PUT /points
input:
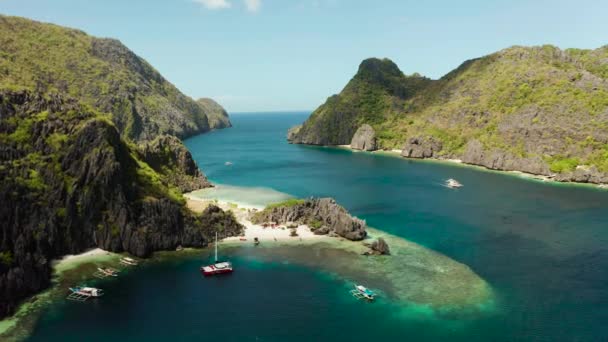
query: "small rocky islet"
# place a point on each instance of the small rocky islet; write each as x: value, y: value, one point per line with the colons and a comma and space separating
x: 405, y: 271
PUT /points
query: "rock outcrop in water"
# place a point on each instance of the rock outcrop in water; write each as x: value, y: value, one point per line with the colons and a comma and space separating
x: 364, y: 139
x: 322, y: 215
x: 216, y: 114
x: 540, y: 110
x: 380, y: 247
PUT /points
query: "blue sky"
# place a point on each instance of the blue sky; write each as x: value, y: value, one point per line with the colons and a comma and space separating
x: 271, y: 55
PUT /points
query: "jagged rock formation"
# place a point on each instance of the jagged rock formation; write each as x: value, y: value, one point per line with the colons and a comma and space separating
x: 423, y: 147
x: 88, y: 155
x: 293, y: 133
x: 170, y: 158
x: 102, y: 73
x: 540, y: 110
x: 69, y: 183
x: 216, y: 114
x: 364, y: 139
x: 377, y: 89
x: 322, y: 215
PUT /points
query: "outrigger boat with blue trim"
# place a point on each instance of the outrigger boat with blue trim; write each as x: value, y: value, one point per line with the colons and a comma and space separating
x: 361, y: 292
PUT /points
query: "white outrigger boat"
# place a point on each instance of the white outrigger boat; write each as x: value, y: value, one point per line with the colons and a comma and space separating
x: 105, y: 272
x: 81, y: 294
x: 362, y: 292
x: 453, y: 184
x: 128, y: 261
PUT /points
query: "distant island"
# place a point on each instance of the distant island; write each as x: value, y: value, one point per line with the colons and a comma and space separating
x: 538, y: 110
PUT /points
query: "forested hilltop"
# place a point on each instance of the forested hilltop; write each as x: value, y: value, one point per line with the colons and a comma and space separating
x: 90, y: 155
x: 540, y: 110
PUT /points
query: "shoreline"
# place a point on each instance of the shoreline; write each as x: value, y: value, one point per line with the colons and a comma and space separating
x: 280, y: 233
x: 406, y: 257
x: 458, y: 162
x: 64, y: 272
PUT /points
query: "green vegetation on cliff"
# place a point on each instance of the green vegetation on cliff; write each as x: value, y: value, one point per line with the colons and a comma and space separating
x: 103, y: 73
x: 89, y: 156
x: 519, y: 104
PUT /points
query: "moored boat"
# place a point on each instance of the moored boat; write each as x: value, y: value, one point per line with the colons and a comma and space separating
x: 87, y: 291
x: 128, y: 261
x: 452, y: 183
x: 361, y: 292
x: 219, y: 267
x: 109, y: 272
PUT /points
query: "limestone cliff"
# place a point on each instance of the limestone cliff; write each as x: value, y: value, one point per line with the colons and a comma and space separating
x: 540, y: 110
x: 102, y: 73
x: 70, y: 182
x: 364, y: 139
x: 89, y: 155
x: 216, y: 114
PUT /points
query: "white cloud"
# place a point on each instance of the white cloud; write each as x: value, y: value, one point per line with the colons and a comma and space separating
x: 253, y: 5
x: 214, y: 4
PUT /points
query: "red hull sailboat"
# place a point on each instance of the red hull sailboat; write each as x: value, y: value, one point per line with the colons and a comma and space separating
x: 219, y: 267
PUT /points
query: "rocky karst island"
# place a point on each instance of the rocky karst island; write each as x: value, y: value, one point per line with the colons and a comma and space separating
x: 148, y: 193
x: 539, y: 110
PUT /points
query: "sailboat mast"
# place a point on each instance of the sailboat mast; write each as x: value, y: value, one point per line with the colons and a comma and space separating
x: 215, y: 246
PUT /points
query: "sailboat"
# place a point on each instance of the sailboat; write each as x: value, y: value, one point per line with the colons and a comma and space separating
x: 219, y: 267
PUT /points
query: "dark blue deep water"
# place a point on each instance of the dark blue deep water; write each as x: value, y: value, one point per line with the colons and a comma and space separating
x: 542, y: 247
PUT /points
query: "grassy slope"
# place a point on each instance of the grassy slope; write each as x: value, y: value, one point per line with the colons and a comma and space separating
x: 100, y: 72
x: 538, y: 101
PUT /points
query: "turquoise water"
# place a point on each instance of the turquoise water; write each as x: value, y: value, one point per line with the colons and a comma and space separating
x: 542, y: 248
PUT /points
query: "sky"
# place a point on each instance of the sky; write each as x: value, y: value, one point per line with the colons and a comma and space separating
x: 280, y: 55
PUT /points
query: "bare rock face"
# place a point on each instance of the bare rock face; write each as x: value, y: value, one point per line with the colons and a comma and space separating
x: 216, y: 114
x: 421, y: 147
x: 497, y: 159
x: 292, y: 134
x: 364, y: 139
x: 323, y: 215
x: 168, y: 151
x: 583, y: 174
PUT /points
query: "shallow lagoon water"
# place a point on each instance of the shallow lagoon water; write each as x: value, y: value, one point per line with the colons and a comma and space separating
x: 541, y: 247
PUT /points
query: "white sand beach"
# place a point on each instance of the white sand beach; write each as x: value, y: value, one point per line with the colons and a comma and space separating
x: 93, y: 255
x: 264, y: 234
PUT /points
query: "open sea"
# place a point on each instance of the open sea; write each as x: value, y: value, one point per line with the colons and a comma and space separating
x: 542, y: 247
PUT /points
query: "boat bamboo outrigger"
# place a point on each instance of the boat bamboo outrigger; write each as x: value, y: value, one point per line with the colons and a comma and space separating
x: 105, y: 272
x: 81, y: 294
x: 219, y: 267
x: 361, y: 292
x: 128, y: 261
